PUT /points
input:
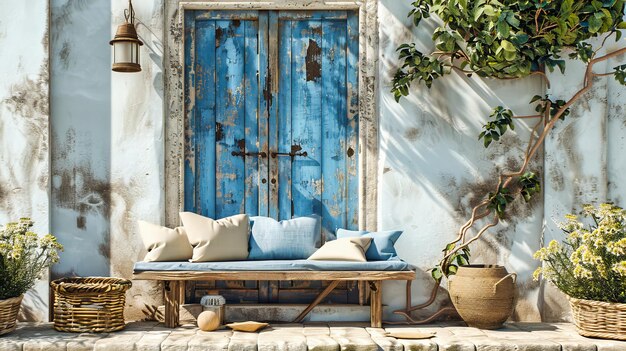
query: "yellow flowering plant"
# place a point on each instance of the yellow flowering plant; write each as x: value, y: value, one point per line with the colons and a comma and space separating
x: 590, y: 263
x: 23, y: 257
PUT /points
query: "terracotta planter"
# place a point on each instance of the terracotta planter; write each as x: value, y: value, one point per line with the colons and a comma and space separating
x: 9, y: 309
x: 483, y: 295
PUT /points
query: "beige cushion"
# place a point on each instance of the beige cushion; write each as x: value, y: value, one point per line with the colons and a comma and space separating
x: 344, y: 249
x: 247, y: 326
x: 224, y: 239
x: 164, y: 244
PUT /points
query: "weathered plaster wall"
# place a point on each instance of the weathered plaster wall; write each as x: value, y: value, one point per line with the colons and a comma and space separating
x: 585, y: 160
x: 137, y: 151
x: 24, y: 121
x: 433, y: 169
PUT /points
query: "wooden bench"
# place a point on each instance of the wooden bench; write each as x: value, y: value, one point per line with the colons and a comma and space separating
x: 174, y: 286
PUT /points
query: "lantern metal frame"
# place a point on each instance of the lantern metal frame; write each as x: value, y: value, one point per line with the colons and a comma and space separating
x: 126, y: 32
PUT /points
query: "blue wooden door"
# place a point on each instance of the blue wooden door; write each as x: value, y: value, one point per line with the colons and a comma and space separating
x: 272, y: 126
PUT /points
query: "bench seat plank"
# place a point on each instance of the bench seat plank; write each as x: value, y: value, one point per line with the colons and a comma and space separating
x: 269, y: 275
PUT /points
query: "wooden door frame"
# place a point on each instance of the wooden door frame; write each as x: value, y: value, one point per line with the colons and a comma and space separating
x: 367, y: 94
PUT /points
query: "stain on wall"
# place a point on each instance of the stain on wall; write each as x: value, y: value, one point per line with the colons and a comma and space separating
x: 24, y: 121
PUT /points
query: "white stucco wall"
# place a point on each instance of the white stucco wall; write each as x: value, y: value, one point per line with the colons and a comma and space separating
x: 107, y: 162
x: 433, y: 168
x: 24, y: 139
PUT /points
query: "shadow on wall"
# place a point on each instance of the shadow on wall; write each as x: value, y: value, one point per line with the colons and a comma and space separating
x: 81, y: 135
x: 434, y: 169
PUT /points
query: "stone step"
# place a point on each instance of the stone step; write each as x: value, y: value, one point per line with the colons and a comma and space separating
x: 311, y: 336
x: 277, y: 313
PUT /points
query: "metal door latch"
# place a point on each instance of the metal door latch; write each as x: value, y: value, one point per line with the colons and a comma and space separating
x: 261, y: 154
x: 290, y: 154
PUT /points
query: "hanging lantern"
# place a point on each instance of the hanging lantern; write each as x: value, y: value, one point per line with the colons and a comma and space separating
x: 126, y: 44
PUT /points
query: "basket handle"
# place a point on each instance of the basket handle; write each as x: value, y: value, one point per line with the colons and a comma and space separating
x: 510, y: 275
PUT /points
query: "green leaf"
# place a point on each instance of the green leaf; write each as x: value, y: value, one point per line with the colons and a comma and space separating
x: 595, y: 24
x: 507, y: 46
x: 489, y: 10
x: 436, y: 273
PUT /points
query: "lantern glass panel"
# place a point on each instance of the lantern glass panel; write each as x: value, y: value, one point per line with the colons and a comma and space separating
x: 123, y: 52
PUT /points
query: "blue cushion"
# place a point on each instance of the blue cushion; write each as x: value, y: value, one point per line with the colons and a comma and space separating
x: 292, y: 239
x: 381, y: 248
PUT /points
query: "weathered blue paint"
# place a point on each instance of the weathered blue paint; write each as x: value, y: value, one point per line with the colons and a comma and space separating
x: 352, y: 133
x: 229, y: 115
x: 190, y: 119
x: 251, y: 110
x: 283, y: 137
x: 204, y: 131
x: 264, y: 108
x: 334, y: 120
x: 278, y: 83
x: 306, y: 116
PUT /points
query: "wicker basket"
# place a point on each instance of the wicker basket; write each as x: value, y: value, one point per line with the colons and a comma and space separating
x: 89, y: 304
x: 599, y: 319
x: 9, y: 309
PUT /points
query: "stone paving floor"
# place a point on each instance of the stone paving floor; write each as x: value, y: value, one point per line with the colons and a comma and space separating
x: 145, y: 336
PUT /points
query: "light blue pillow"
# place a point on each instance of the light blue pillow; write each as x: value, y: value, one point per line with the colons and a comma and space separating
x: 381, y: 248
x: 292, y: 239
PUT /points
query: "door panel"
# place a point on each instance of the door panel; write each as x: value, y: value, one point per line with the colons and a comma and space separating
x: 317, y: 115
x: 223, y: 115
x: 271, y: 128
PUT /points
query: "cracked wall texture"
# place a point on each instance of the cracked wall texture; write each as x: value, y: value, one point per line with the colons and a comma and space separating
x: 24, y: 121
x: 108, y: 153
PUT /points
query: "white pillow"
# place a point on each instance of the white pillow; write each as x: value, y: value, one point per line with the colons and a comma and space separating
x: 224, y: 239
x: 345, y: 249
x: 164, y: 244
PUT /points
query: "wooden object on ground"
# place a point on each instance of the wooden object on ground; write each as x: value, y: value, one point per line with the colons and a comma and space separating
x: 599, y: 319
x: 208, y: 321
x: 409, y: 334
x: 483, y: 295
x: 249, y: 326
x: 173, y: 282
x: 9, y: 309
x: 92, y: 304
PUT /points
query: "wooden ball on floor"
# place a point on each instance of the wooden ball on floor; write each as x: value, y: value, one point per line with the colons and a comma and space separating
x: 208, y: 321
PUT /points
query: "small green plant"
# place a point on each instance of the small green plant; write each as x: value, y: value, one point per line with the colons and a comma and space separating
x: 590, y: 263
x: 23, y: 257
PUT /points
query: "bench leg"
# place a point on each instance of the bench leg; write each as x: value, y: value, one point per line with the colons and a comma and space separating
x: 174, y: 296
x: 376, y: 304
x: 333, y: 284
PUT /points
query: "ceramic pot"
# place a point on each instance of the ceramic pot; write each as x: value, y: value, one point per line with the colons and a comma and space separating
x: 9, y: 309
x: 483, y: 295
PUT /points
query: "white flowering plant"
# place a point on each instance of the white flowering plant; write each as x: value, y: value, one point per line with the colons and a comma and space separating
x: 23, y: 257
x: 590, y: 263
